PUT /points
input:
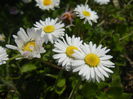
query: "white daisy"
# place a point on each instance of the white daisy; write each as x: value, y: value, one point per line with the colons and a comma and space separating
x: 47, y: 4
x: 3, y: 56
x: 29, y: 44
x: 84, y: 12
x: 102, y: 1
x: 92, y: 63
x: 51, y: 29
x: 64, y: 49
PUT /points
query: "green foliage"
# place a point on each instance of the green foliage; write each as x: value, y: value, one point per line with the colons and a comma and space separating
x: 43, y: 79
x: 28, y: 68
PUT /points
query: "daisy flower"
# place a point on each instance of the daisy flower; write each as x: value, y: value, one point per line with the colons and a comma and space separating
x: 84, y: 12
x: 29, y: 43
x: 92, y: 63
x: 51, y: 29
x: 102, y: 1
x: 3, y: 56
x: 47, y: 4
x: 64, y: 49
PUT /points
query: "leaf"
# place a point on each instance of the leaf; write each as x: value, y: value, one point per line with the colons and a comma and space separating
x: 61, y: 83
x: 28, y: 67
x: 60, y: 90
x: 60, y: 86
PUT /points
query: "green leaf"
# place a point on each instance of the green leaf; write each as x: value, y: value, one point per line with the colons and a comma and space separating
x: 28, y: 68
x: 61, y: 82
x: 60, y: 90
x: 60, y: 86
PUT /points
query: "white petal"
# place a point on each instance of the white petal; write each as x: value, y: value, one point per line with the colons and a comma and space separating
x: 106, y: 69
x: 103, y: 72
x: 106, y: 57
x: 92, y: 73
x: 99, y: 74
x: 12, y: 47
x: 78, y: 62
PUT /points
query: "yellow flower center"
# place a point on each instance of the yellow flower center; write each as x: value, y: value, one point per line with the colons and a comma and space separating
x: 47, y: 2
x: 92, y: 60
x: 70, y: 50
x: 86, y: 13
x: 49, y: 29
x: 29, y: 46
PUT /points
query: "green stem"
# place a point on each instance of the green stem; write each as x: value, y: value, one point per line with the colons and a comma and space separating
x: 126, y: 36
x: 74, y: 90
x: 7, y: 65
x: 52, y: 65
x: 7, y: 70
x: 12, y: 58
x: 52, y: 76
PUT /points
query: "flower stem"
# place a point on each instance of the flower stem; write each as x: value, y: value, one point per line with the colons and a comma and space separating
x: 74, y: 90
x: 52, y: 65
x: 12, y: 58
x: 7, y: 65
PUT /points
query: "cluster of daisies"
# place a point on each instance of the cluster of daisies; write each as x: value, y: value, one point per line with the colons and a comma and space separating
x: 90, y: 61
x: 52, y: 4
